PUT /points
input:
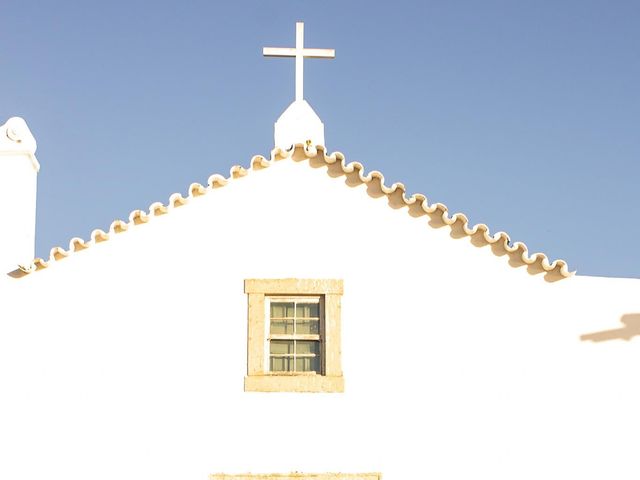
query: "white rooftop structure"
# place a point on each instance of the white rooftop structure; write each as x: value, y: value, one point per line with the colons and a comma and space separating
x: 18, y: 184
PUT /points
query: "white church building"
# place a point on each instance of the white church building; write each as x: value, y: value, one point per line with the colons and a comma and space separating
x: 301, y: 319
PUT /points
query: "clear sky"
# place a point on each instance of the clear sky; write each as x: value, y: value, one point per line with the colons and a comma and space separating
x: 523, y: 115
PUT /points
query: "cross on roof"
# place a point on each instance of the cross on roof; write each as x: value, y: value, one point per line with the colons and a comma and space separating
x: 300, y: 53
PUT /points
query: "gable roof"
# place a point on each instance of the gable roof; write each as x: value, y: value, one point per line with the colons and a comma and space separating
x: 396, y: 193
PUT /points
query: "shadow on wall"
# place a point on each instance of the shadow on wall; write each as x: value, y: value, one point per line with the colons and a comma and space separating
x: 631, y: 322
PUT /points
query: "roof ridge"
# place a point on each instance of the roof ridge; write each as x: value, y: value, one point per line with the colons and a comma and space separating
x: 458, y: 222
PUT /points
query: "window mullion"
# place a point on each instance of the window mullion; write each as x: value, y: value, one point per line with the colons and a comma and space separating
x: 295, y: 308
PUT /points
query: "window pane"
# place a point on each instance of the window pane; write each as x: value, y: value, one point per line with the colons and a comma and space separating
x: 306, y: 310
x: 306, y: 347
x: 308, y: 364
x: 281, y: 347
x: 281, y: 364
x: 281, y: 309
x: 307, y: 326
x: 282, y: 327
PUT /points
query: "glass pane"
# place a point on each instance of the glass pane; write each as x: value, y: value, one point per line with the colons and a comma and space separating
x: 306, y: 310
x: 308, y: 364
x: 281, y: 364
x: 281, y: 327
x: 306, y: 347
x: 281, y: 309
x: 306, y: 326
x: 281, y: 347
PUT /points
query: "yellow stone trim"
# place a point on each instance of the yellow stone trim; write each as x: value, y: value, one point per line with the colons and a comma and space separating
x: 255, y: 341
x: 297, y: 476
x: 332, y: 329
x: 258, y: 379
x: 293, y: 286
x: 293, y: 383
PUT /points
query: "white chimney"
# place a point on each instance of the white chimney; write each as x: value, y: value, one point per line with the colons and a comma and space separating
x: 18, y: 182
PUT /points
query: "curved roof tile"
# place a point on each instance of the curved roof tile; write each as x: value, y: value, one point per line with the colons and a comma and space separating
x: 418, y: 204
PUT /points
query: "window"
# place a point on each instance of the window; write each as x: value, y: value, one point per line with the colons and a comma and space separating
x: 294, y: 335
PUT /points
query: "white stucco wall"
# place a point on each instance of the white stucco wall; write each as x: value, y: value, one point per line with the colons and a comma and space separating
x: 127, y: 360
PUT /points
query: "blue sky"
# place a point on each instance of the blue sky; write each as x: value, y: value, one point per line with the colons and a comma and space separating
x: 523, y: 115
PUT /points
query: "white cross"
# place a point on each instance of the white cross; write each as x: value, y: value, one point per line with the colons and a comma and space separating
x: 300, y: 53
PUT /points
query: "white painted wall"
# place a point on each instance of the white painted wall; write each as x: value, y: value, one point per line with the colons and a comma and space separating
x: 127, y: 360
